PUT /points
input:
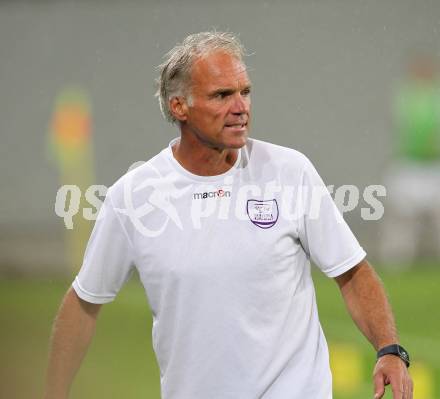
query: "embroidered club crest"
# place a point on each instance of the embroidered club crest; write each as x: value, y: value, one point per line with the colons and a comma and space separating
x: 263, y: 214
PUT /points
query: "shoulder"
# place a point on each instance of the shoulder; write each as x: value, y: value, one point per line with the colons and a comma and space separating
x: 148, y: 173
x: 277, y: 155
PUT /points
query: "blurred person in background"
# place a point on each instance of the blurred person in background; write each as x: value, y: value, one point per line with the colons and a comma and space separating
x: 413, y: 178
x: 232, y: 299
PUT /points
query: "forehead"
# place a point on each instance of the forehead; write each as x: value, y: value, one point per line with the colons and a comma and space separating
x: 218, y: 69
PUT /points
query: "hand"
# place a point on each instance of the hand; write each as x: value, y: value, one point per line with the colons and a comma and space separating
x: 390, y: 369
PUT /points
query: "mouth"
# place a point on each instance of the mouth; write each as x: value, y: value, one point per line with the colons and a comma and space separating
x: 237, y: 126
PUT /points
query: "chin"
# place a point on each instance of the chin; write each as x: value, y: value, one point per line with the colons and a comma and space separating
x: 238, y: 141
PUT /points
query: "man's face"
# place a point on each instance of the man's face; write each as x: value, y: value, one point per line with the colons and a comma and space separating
x: 219, y: 113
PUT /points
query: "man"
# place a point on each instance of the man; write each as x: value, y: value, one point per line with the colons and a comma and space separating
x: 224, y: 261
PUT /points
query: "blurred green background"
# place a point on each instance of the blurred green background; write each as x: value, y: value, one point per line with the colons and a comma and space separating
x: 121, y: 362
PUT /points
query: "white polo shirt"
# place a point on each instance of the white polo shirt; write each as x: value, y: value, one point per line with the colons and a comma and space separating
x: 225, y: 262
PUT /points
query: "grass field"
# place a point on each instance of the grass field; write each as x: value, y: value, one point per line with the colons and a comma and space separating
x: 121, y: 364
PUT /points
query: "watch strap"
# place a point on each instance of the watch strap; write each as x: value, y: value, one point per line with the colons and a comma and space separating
x: 395, y: 350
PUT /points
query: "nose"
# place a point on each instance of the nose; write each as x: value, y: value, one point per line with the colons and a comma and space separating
x: 241, y: 104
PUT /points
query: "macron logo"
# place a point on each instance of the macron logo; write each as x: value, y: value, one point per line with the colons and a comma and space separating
x: 212, y: 194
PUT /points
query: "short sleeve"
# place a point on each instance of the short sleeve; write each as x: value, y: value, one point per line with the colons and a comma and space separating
x: 323, y: 233
x: 108, y: 260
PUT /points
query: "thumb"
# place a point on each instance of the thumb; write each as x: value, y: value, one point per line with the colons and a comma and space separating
x: 379, y: 386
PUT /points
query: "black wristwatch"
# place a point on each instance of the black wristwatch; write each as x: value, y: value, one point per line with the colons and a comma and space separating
x: 395, y: 350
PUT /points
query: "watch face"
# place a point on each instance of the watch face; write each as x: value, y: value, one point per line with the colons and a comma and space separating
x: 403, y: 354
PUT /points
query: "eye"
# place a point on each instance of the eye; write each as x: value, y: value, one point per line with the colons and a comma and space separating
x: 246, y: 92
x: 222, y: 94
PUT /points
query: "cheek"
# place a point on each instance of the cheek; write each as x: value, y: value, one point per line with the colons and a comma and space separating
x: 217, y: 115
x: 210, y: 111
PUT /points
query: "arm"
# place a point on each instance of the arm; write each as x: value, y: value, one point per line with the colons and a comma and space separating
x: 368, y: 305
x: 72, y: 333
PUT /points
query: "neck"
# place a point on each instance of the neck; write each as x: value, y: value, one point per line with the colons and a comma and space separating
x: 202, y: 159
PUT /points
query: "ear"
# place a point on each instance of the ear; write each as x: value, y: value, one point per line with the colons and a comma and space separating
x: 179, y: 108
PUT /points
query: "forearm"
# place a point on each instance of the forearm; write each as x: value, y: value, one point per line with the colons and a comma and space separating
x: 368, y: 305
x: 72, y: 333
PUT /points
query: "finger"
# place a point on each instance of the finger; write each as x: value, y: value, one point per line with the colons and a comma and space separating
x: 409, y: 387
x: 397, y: 388
x: 405, y: 385
x: 379, y: 386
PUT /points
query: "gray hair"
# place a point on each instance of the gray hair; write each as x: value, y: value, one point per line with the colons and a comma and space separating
x: 174, y: 78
